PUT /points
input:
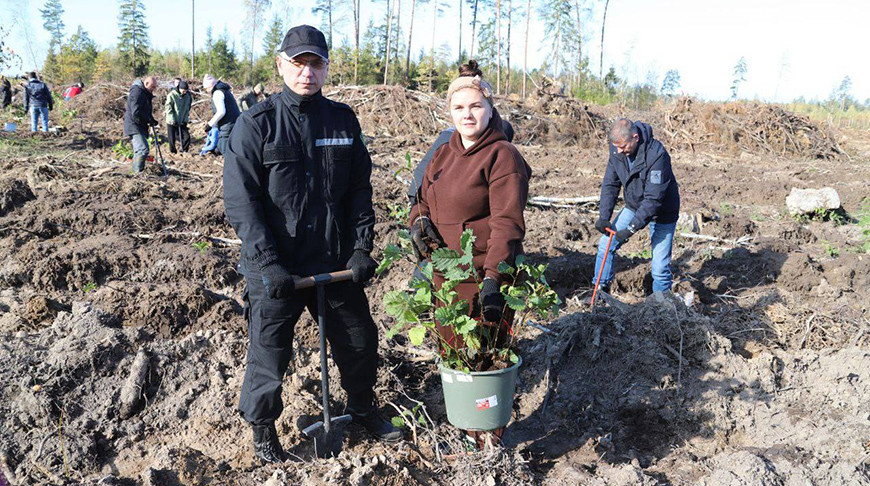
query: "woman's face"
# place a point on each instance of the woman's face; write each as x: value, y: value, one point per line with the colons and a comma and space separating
x: 470, y: 112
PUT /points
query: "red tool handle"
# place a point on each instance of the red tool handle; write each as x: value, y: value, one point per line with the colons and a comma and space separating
x: 601, y: 270
x: 323, y: 278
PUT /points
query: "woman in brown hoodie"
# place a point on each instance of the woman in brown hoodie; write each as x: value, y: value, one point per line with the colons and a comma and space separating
x: 477, y: 180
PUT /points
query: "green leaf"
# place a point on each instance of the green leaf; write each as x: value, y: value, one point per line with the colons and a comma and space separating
x: 427, y: 270
x: 445, y: 314
x: 466, y: 243
x: 464, y: 324
x: 520, y: 260
x: 421, y: 419
x: 397, y: 421
x: 505, y: 268
x: 515, y: 303
x: 472, y: 341
x: 390, y: 255
x: 513, y: 357
x: 397, y: 302
x: 445, y: 259
x: 416, y: 335
x: 394, y: 330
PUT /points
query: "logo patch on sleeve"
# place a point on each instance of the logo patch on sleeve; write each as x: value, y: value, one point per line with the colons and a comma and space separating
x: 655, y: 176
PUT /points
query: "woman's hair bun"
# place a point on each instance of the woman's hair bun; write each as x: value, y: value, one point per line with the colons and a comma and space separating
x: 470, y: 68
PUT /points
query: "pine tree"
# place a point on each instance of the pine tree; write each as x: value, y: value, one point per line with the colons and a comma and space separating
x: 325, y: 9
x: 739, y: 77
x: 273, y: 38
x: 133, y: 41
x: 52, y: 16
x: 671, y: 84
x: 77, y: 58
x: 561, y: 28
x: 254, y: 11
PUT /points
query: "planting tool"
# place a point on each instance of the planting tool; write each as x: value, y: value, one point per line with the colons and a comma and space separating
x: 604, y: 261
x: 159, y: 153
x: 328, y: 434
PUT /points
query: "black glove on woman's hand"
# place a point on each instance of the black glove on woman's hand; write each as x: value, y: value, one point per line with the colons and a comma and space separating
x: 278, y: 281
x: 424, y: 237
x: 491, y: 300
x: 602, y: 225
x: 363, y: 266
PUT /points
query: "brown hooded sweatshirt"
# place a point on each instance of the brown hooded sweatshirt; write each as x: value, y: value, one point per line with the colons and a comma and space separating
x: 485, y: 188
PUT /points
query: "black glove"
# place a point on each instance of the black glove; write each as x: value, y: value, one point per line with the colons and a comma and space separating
x: 363, y: 266
x: 206, y: 127
x: 491, y: 300
x: 623, y: 235
x: 424, y: 237
x: 153, y: 123
x: 278, y: 281
x: 602, y: 225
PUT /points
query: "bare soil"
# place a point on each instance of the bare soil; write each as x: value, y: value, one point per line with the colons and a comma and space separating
x: 762, y: 379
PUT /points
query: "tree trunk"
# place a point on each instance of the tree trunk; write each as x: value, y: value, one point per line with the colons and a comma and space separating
x: 356, y: 42
x: 410, y: 34
x: 473, y: 28
x: 432, y: 52
x: 459, y: 58
x: 498, y: 47
x: 579, y: 45
x: 329, y: 6
x: 192, y: 42
x: 526, y: 46
x: 389, y: 38
x: 601, y: 60
x: 507, y: 86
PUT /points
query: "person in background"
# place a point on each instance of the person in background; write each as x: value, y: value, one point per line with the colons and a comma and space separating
x: 5, y: 92
x: 38, y: 100
x: 73, y: 91
x: 640, y: 166
x: 253, y: 96
x: 139, y: 117
x: 224, y: 108
x: 177, y: 113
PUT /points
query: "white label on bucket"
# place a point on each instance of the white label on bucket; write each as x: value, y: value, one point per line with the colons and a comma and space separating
x: 447, y: 377
x: 487, y: 403
x: 464, y: 378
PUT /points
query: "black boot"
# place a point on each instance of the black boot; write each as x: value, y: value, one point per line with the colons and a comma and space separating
x: 266, y: 444
x: 374, y: 423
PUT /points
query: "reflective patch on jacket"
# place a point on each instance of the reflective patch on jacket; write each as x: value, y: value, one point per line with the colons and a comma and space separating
x: 655, y: 176
x: 328, y: 142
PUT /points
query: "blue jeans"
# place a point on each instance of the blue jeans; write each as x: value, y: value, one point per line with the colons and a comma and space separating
x: 662, y: 240
x: 140, y: 151
x: 35, y: 113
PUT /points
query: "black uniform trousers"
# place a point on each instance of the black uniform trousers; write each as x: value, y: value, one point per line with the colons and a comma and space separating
x: 350, y: 331
x: 178, y: 133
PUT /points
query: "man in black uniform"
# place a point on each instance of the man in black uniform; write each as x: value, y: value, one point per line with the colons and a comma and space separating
x: 297, y: 191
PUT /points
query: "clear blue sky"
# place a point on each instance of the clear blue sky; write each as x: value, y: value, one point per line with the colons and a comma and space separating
x: 793, y: 48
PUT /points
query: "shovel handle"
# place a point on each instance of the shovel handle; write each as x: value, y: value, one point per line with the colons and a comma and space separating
x: 600, y: 270
x: 322, y: 279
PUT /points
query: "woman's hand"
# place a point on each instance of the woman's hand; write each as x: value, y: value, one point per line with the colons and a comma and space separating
x: 424, y: 237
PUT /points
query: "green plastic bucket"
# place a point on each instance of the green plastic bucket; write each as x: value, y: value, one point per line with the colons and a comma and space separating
x: 480, y: 400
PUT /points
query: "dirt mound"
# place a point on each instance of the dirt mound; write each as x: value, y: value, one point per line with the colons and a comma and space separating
x: 13, y: 193
x: 752, y: 127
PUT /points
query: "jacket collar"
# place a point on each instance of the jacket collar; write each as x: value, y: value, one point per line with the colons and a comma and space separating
x: 298, y: 102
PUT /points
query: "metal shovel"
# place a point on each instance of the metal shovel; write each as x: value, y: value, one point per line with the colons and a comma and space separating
x: 328, y: 434
x: 159, y: 153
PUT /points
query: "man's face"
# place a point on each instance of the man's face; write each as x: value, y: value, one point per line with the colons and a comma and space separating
x: 305, y: 74
x: 627, y: 147
x: 150, y: 83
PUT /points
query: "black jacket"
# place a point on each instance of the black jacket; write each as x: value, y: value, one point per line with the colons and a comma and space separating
x: 5, y: 92
x: 37, y: 95
x: 232, y: 108
x: 140, y: 109
x: 649, y: 187
x: 297, y: 184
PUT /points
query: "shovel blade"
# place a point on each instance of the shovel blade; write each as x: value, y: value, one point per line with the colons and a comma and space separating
x: 327, y: 443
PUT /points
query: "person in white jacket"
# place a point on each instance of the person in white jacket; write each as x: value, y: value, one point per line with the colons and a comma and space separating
x: 224, y: 108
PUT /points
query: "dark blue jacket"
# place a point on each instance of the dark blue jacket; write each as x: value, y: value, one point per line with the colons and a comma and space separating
x: 649, y: 188
x: 232, y: 108
x: 140, y: 109
x: 37, y: 95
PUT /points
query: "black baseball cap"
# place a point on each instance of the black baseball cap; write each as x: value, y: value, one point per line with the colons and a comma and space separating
x: 302, y: 39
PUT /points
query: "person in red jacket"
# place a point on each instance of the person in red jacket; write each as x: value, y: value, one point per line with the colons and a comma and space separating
x: 477, y: 180
x: 73, y: 91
